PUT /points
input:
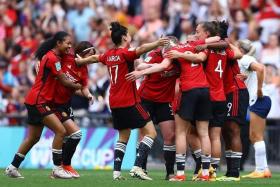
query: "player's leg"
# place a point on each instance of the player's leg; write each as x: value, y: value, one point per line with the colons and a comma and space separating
x: 54, y: 124
x: 203, y: 113
x: 165, y: 118
x: 120, y: 149
x: 70, y: 143
x: 183, y: 118
x: 169, y: 149
x: 72, y: 138
x: 216, y: 124
x: 202, y: 131
x: 33, y: 136
x: 150, y: 107
x: 195, y: 145
x: 258, y: 114
x: 228, y: 151
x: 182, y: 128
x: 145, y: 146
x: 236, y: 147
x: 215, y: 139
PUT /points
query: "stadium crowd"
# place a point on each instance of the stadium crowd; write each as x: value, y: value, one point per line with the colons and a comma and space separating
x: 24, y: 24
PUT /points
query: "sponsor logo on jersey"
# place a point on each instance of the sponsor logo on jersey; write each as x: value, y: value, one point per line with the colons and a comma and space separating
x: 70, y: 77
x: 57, y: 66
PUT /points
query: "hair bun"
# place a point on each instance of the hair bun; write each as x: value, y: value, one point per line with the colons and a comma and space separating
x: 114, y: 26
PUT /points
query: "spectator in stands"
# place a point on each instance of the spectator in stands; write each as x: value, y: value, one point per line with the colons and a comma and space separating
x: 271, y: 54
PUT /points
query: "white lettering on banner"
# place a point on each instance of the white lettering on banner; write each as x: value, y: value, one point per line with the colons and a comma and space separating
x: 93, y: 157
x: 41, y: 156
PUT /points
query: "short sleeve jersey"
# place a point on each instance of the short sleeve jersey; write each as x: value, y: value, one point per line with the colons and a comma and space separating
x: 120, y: 61
x: 74, y: 73
x: 192, y: 75
x: 45, y: 83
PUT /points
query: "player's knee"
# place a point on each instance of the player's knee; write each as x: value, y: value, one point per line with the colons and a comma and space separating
x: 254, y: 137
x: 152, y: 133
x: 169, y: 139
x: 61, y: 132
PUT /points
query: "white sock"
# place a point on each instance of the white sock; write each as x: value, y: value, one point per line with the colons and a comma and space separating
x: 260, y: 156
x: 116, y: 173
x: 180, y: 172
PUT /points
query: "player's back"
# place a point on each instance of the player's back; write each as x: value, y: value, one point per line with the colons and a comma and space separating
x: 192, y: 75
x: 215, y: 69
x: 120, y: 61
x: 159, y: 87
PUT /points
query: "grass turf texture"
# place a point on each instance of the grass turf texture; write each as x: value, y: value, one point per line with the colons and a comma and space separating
x: 39, y: 178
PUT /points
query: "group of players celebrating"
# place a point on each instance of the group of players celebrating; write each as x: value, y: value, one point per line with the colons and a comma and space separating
x: 194, y: 91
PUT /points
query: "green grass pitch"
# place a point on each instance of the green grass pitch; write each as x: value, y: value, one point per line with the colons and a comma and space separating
x: 39, y: 178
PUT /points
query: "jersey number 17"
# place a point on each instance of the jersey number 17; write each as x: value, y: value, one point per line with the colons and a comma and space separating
x: 113, y: 70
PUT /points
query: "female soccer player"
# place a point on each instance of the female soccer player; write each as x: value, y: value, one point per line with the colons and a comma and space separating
x: 76, y: 74
x: 39, y: 104
x: 157, y: 93
x: 260, y: 105
x: 127, y: 111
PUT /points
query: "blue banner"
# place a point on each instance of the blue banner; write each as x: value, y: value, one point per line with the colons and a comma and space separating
x: 95, y: 150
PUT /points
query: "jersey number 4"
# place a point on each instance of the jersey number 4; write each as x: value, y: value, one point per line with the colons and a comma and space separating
x: 113, y: 70
x: 219, y: 68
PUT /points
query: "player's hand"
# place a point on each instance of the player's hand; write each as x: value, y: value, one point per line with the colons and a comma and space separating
x: 259, y: 93
x: 163, y: 41
x: 90, y: 98
x: 201, y: 47
x: 133, y: 76
x: 241, y: 76
x: 78, y: 86
x: 172, y: 54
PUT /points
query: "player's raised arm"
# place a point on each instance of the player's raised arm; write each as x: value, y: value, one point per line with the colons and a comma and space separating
x: 154, y: 68
x: 150, y: 46
x: 237, y: 53
x: 215, y: 46
x: 88, y: 60
x: 187, y: 55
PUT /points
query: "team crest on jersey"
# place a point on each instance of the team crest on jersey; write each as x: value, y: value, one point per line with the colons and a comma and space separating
x: 64, y: 114
x: 57, y: 66
x: 48, y: 108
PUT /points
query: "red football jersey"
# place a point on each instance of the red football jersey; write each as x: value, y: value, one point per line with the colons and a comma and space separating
x: 214, y: 70
x: 159, y: 87
x: 120, y: 61
x: 192, y: 75
x: 231, y: 83
x: 74, y: 73
x: 45, y: 83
